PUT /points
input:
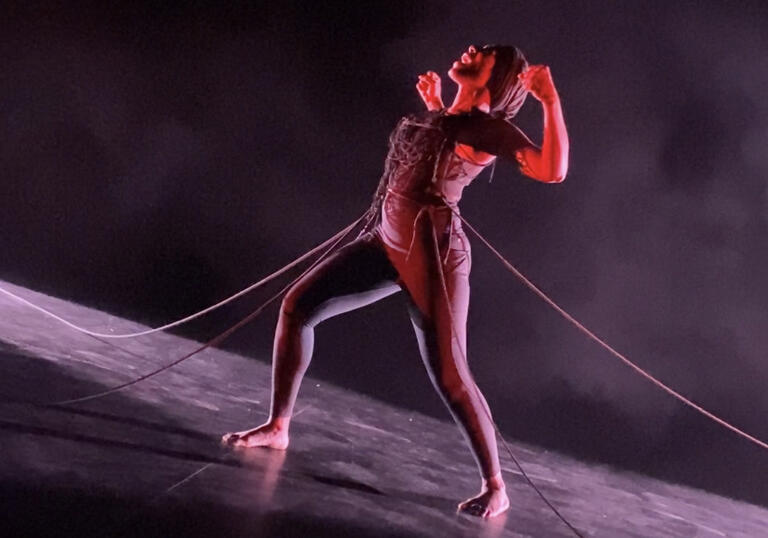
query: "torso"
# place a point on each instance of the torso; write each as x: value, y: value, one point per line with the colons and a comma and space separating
x: 422, y: 160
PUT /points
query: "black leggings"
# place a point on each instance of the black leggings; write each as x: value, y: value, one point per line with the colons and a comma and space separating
x: 368, y: 269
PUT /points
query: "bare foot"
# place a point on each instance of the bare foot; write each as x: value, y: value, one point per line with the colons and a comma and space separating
x: 267, y: 435
x: 490, y: 503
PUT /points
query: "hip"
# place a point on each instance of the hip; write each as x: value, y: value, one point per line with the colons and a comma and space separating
x: 407, y: 225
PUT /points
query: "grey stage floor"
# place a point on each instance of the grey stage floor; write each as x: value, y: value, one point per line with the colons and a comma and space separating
x: 147, y: 461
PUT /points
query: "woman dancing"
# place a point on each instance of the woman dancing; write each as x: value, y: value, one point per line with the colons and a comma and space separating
x: 414, y: 242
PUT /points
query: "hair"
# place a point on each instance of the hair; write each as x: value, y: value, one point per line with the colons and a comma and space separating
x: 507, y: 92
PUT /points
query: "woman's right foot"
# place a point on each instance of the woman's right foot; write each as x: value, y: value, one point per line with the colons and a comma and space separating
x: 266, y: 435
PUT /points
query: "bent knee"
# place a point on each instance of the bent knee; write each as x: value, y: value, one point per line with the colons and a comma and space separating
x: 303, y: 308
x: 293, y: 308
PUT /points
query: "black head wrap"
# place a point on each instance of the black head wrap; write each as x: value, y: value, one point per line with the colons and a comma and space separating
x: 507, y: 92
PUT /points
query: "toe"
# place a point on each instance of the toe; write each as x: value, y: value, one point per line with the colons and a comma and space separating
x: 230, y: 438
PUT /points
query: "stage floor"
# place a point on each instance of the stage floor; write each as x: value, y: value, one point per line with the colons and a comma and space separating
x: 147, y: 461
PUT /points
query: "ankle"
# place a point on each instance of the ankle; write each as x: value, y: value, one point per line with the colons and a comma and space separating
x: 494, y: 483
x: 279, y: 423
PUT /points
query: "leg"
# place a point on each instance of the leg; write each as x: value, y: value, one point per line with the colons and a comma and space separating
x: 357, y: 275
x: 438, y: 305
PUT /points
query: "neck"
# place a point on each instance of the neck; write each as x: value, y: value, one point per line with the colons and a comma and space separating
x: 468, y: 98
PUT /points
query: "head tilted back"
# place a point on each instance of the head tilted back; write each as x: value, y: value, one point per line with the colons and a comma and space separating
x: 507, y: 92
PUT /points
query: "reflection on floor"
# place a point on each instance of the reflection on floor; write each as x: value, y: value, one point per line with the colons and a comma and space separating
x: 146, y: 461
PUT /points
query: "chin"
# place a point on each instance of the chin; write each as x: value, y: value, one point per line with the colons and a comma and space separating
x: 462, y: 77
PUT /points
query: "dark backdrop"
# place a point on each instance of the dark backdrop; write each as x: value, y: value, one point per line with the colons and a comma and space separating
x: 155, y: 159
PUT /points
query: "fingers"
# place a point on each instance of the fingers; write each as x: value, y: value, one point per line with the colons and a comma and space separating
x: 535, y: 76
x: 428, y: 82
x: 533, y: 71
x: 430, y: 77
x: 423, y: 86
x: 537, y: 79
x: 429, y: 89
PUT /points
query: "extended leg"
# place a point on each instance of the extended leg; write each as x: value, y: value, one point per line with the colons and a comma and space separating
x: 444, y: 359
x: 357, y: 275
x: 438, y: 305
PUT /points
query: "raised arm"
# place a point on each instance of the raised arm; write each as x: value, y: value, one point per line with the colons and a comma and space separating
x: 550, y: 162
x: 429, y: 89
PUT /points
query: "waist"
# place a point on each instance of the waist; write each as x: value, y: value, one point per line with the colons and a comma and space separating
x: 403, y: 210
x: 422, y: 199
x: 408, y: 215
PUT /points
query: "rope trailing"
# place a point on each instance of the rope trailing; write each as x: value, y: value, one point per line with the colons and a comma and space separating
x: 625, y: 360
x: 223, y: 336
x: 196, y: 315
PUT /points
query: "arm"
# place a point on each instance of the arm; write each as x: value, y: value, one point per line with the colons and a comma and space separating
x: 430, y: 91
x: 550, y: 162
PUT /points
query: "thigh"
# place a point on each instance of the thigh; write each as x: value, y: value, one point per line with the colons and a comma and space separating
x: 440, y: 323
x: 356, y: 275
x: 437, y: 285
x: 436, y: 280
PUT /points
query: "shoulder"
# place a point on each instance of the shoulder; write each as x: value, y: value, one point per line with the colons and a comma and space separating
x: 491, y: 134
x: 417, y: 119
x: 422, y: 115
x: 472, y: 122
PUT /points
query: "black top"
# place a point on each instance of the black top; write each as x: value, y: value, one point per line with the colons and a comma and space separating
x: 484, y: 132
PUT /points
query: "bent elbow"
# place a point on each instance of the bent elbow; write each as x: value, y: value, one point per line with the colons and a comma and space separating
x: 560, y: 176
x: 555, y: 179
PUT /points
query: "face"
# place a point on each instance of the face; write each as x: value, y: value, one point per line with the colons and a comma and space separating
x: 473, y: 68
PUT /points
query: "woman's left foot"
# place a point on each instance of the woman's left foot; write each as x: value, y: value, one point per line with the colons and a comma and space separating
x: 490, y: 503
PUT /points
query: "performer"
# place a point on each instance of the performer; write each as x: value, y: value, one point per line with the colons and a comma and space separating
x: 414, y: 242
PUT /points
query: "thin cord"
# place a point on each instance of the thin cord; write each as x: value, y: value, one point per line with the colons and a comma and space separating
x: 625, y: 360
x: 477, y: 390
x: 186, y: 479
x: 221, y: 337
x: 190, y: 317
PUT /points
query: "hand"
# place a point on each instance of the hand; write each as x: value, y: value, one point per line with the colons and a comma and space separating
x: 537, y: 80
x: 429, y: 90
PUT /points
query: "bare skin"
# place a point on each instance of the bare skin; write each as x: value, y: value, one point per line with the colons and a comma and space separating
x: 271, y: 434
x: 548, y: 164
x: 490, y: 502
